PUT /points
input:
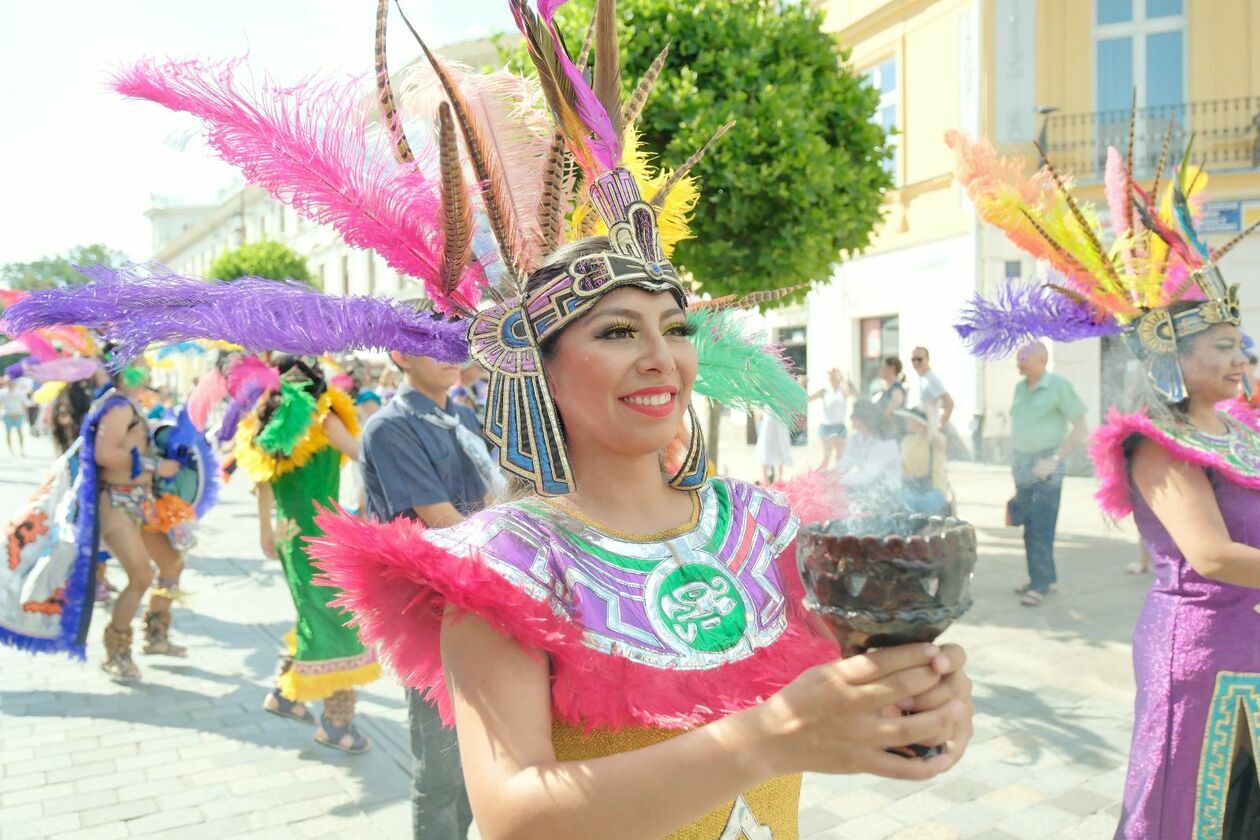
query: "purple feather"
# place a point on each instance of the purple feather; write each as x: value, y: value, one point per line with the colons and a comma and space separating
x: 237, y: 409
x: 64, y: 370
x: 136, y: 306
x: 1021, y: 313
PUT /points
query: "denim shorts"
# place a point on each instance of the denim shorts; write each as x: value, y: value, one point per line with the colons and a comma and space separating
x: 14, y: 421
x: 832, y: 430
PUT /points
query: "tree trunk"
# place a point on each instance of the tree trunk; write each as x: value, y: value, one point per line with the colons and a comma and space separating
x: 712, y: 434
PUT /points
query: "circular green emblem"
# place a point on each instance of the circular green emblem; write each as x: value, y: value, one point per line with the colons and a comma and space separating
x: 702, y: 606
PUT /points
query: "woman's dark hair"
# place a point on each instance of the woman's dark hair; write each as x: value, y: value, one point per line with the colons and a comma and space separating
x: 873, y: 417
x: 556, y: 265
x: 894, y: 363
x: 73, y: 403
x: 293, y: 368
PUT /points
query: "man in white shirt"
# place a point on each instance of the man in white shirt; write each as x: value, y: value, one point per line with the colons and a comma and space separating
x: 933, y: 398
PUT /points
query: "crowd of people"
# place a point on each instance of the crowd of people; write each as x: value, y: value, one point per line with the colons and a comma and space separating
x: 887, y: 446
x: 601, y: 634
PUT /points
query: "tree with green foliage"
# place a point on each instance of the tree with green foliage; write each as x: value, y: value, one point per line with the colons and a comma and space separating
x: 261, y: 259
x: 50, y: 272
x: 799, y: 181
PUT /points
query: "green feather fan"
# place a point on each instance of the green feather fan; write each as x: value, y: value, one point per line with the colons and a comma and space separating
x: 291, y: 420
x: 737, y: 367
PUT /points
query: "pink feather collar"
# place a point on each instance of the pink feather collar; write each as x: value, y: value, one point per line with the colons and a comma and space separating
x: 1111, y: 461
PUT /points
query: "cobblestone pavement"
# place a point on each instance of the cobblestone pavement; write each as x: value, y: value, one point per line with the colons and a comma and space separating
x: 189, y: 753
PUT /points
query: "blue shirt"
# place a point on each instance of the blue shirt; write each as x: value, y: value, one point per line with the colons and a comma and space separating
x: 408, y: 461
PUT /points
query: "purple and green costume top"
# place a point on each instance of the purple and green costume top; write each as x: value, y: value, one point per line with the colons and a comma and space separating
x: 1196, y: 649
x: 645, y: 637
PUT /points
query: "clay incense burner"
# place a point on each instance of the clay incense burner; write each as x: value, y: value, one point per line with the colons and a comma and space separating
x: 886, y: 580
x: 881, y: 581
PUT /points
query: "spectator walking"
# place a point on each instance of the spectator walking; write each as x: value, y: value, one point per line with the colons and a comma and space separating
x: 774, y: 449
x: 833, y: 431
x: 931, y: 395
x: 892, y: 396
x: 13, y: 401
x: 420, y: 461
x: 1047, y: 423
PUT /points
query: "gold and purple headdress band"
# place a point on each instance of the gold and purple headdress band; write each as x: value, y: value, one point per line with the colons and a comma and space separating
x: 506, y: 339
x: 1153, y: 337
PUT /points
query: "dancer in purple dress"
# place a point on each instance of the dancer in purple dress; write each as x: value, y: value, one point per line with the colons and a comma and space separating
x: 1188, y: 472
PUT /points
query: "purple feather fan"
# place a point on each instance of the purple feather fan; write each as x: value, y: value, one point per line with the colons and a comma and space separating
x: 136, y: 306
x: 1020, y: 313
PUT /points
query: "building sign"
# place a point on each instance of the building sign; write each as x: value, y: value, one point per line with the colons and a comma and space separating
x: 1220, y: 217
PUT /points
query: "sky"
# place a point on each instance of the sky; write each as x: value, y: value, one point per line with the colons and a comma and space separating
x: 79, y: 164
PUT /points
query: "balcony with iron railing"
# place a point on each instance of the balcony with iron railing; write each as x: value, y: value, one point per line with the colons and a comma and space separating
x: 1226, y: 136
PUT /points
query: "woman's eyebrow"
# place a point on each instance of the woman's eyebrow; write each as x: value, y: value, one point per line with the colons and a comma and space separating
x: 637, y: 315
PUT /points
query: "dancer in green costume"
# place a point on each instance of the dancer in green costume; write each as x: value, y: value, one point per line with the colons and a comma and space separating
x: 292, y: 445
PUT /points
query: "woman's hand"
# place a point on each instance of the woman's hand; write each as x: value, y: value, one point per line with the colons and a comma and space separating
x: 166, y: 468
x: 955, y: 685
x: 841, y: 716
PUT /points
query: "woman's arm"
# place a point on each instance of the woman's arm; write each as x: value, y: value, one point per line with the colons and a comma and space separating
x: 340, y: 437
x: 895, y: 402
x: 1181, y: 496
x: 831, y: 719
x: 266, y: 531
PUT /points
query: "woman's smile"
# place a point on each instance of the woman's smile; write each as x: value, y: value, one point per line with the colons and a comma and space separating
x: 657, y: 401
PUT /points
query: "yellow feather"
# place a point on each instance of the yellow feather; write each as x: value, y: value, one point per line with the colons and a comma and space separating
x: 264, y: 467
x: 672, y: 219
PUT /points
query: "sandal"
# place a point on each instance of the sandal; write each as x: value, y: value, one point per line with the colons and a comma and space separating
x: 118, y: 662
x: 287, y: 708
x: 157, y: 640
x: 1032, y: 599
x: 1023, y: 590
x: 334, y: 737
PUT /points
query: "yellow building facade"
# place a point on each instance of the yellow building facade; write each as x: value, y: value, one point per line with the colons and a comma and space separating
x: 1015, y: 71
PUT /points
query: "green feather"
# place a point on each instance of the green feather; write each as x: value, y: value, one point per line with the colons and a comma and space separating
x: 737, y: 367
x: 135, y: 377
x: 291, y: 420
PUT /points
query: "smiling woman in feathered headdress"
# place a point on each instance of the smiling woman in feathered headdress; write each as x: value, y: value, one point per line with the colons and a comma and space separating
x: 622, y: 648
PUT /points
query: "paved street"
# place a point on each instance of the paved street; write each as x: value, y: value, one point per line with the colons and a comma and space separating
x: 189, y: 754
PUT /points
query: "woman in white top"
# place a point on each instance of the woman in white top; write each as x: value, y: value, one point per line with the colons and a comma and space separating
x: 871, y: 465
x: 774, y: 449
x: 13, y: 401
x: 835, y: 403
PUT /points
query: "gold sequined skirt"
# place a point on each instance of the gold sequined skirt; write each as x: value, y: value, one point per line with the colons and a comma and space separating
x: 773, y: 804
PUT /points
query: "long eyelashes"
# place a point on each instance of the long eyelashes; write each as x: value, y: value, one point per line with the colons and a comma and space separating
x: 625, y: 329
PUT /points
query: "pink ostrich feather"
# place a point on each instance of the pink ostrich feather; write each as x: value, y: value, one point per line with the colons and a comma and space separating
x: 814, y: 496
x: 251, y: 371
x: 1111, y: 463
x: 1116, y: 187
x: 210, y: 390
x: 512, y: 117
x: 309, y: 146
x: 39, y: 346
x: 398, y: 585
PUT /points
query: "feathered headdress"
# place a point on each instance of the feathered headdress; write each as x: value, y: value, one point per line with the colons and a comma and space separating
x: 468, y: 182
x: 1156, y: 259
